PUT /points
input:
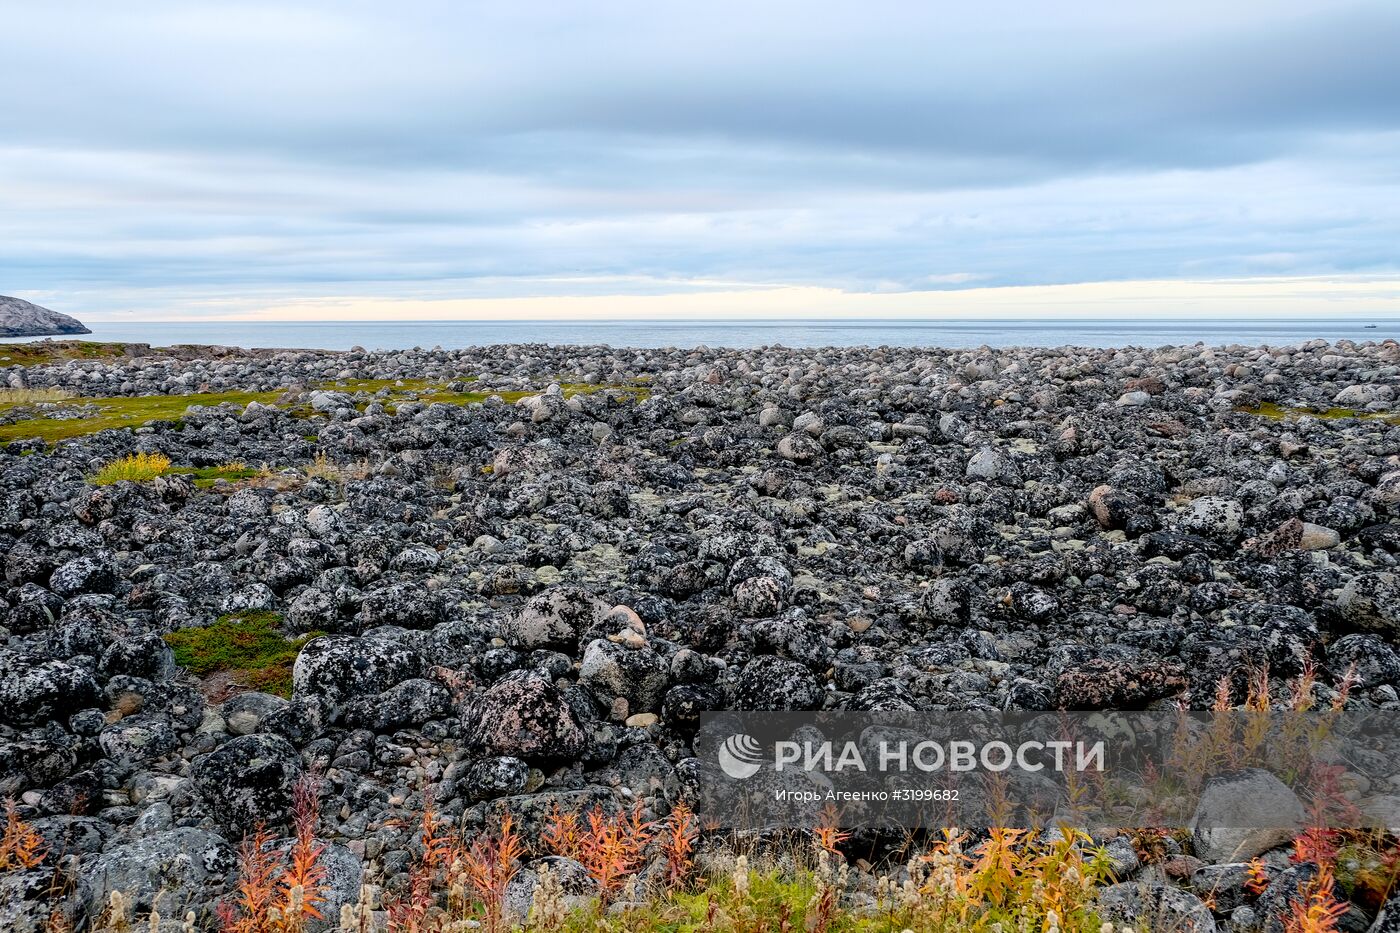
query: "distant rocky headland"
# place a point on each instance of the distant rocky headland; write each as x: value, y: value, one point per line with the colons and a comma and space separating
x: 20, y: 318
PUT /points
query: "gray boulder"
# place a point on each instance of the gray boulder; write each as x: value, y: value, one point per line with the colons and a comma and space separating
x: 35, y: 691
x: 1214, y: 517
x: 769, y: 682
x: 135, y: 740
x: 335, y: 669
x: 411, y: 703
x: 1372, y: 601
x: 523, y: 716
x: 639, y: 675
x: 555, y: 618
x: 1155, y: 906
x: 171, y: 872
x: 1244, y: 814
x: 248, y: 780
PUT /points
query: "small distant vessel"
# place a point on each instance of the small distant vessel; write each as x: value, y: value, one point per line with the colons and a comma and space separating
x: 1370, y: 327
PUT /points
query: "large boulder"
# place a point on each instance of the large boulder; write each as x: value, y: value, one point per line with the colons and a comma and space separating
x: 1118, y: 683
x: 335, y: 669
x: 37, y: 691
x: 1152, y: 905
x: 91, y: 573
x: 555, y: 618
x: 1244, y: 814
x: 410, y: 703
x: 769, y: 682
x: 523, y: 716
x: 638, y: 675
x: 576, y: 885
x: 1372, y: 601
x: 1215, y: 517
x: 136, y: 740
x: 170, y: 872
x: 33, y: 762
x: 248, y: 781
x: 38, y: 900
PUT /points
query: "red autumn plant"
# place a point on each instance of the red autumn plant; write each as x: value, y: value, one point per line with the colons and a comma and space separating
x: 20, y: 845
x: 678, y: 844
x: 277, y: 892
x: 409, y: 914
x: 609, y: 847
x: 561, y: 834
x: 488, y: 866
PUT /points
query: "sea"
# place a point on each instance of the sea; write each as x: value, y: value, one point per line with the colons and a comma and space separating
x: 389, y: 335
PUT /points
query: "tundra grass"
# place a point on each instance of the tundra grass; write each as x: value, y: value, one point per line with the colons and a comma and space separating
x: 83, y: 416
x: 249, y: 645
x: 57, y: 351
x: 205, y: 477
x: 15, y: 397
x: 397, y: 391
x: 1275, y: 412
x: 79, y: 417
x: 135, y: 468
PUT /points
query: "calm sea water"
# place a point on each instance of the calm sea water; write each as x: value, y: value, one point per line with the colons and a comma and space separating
x: 941, y: 333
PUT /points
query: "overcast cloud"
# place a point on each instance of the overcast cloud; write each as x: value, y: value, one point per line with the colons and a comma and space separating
x: 185, y: 158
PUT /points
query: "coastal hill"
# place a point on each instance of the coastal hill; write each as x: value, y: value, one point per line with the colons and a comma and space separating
x: 20, y: 318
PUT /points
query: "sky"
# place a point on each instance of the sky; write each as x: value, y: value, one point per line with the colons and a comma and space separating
x: 418, y: 160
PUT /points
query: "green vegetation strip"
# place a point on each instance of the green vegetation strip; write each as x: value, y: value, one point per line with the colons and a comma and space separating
x: 1276, y: 412
x: 89, y: 415
x: 79, y: 417
x: 394, y: 392
x: 247, y: 645
x: 46, y: 352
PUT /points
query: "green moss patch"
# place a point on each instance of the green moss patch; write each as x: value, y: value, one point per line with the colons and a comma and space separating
x: 78, y: 417
x: 204, y: 477
x: 1276, y: 412
x: 57, y: 351
x: 82, y: 416
x: 394, y: 392
x: 248, y: 645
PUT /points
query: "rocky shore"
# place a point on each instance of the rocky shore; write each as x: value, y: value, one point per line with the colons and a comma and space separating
x: 525, y: 570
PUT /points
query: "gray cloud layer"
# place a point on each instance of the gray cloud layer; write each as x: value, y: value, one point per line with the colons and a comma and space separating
x: 155, y: 151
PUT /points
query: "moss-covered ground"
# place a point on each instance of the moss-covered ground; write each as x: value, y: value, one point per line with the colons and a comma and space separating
x: 1276, y: 412
x: 78, y: 417
x: 248, y: 645
x: 57, y: 351
x: 83, y: 416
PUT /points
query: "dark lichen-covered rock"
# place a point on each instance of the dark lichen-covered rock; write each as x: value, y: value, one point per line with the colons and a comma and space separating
x: 410, y: 703
x: 34, y: 762
x: 638, y: 675
x: 1372, y: 601
x: 248, y: 780
x: 169, y: 872
x: 1118, y: 683
x: 36, y: 691
x: 335, y: 669
x: 555, y: 618
x: 91, y: 573
x: 769, y: 682
x: 523, y: 716
x: 489, y: 778
x: 135, y: 740
x: 1154, y: 905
